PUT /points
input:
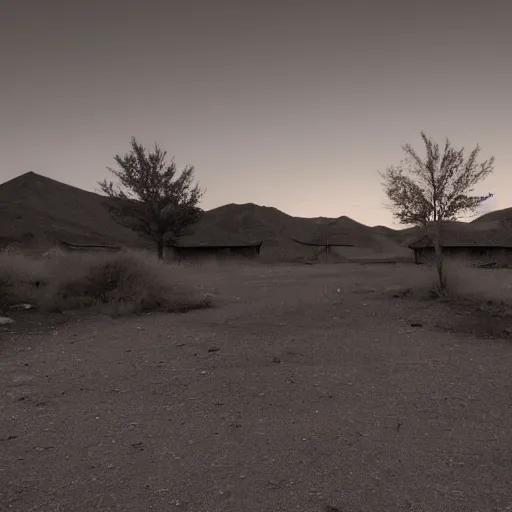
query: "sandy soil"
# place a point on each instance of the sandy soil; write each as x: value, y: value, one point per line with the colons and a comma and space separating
x: 308, y: 388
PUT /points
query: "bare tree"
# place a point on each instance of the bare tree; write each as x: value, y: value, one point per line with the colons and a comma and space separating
x: 151, y: 198
x: 426, y: 192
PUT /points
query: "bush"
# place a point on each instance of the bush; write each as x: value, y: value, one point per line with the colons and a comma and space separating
x: 21, y: 279
x: 463, y: 282
x: 120, y: 283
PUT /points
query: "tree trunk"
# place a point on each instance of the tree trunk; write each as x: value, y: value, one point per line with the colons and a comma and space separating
x: 440, y: 269
x: 439, y: 260
x: 434, y: 233
x: 160, y: 248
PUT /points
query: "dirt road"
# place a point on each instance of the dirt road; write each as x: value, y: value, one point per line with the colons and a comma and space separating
x: 291, y: 395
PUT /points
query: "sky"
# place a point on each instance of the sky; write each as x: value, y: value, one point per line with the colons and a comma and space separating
x: 284, y: 103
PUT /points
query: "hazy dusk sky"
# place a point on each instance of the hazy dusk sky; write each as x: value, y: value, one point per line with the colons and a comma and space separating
x: 286, y: 103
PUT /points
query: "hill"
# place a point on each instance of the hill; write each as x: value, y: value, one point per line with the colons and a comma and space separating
x: 280, y: 232
x: 498, y: 216
x: 40, y: 210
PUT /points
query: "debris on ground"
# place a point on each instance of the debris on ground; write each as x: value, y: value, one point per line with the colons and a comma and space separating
x: 18, y: 307
x: 401, y: 292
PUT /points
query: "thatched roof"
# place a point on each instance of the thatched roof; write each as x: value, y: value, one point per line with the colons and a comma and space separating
x: 467, y: 235
x: 318, y: 242
x: 79, y: 247
x: 216, y: 245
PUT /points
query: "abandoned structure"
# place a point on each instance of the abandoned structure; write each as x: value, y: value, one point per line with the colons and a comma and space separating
x: 211, y: 250
x: 324, y: 245
x: 469, y: 245
x: 68, y: 247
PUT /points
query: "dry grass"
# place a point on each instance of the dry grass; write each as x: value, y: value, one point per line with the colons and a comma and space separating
x: 131, y: 282
x: 478, y: 301
x: 19, y: 279
x: 463, y: 282
x: 135, y: 282
x: 475, y: 284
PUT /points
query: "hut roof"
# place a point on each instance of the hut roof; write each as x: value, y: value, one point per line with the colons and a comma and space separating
x: 212, y: 244
x: 319, y: 242
x: 458, y: 234
x: 71, y: 246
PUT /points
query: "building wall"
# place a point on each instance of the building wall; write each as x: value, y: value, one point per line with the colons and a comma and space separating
x: 468, y: 256
x: 211, y: 253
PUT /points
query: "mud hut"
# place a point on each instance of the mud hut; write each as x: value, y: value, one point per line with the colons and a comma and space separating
x: 210, y: 250
x: 470, y: 245
x: 76, y: 248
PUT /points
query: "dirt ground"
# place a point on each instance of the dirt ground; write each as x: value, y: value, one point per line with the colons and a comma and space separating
x: 306, y: 388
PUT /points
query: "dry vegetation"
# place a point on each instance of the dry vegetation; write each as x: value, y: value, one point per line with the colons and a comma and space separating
x: 464, y: 282
x: 135, y: 282
x: 123, y: 283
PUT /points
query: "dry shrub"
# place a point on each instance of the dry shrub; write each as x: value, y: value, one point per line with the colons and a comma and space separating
x: 21, y: 279
x: 489, y: 285
x: 120, y: 283
x: 463, y: 282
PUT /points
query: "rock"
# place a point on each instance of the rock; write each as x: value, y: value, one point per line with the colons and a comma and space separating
x: 5, y: 320
x: 18, y: 307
